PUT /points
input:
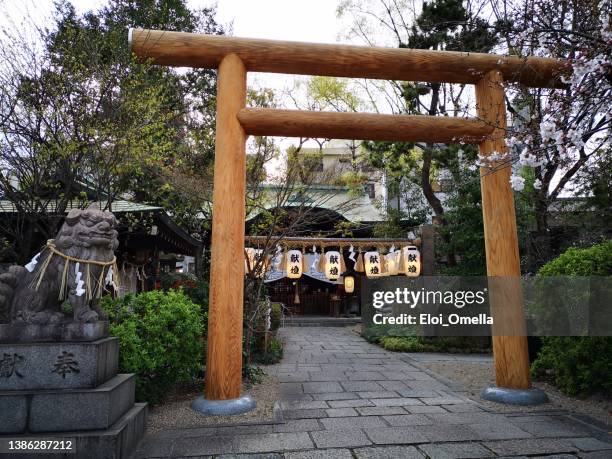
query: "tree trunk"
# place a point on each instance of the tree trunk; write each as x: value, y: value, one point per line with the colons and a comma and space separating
x: 428, y: 191
x: 436, y: 205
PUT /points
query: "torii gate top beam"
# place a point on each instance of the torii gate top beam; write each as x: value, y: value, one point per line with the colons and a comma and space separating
x: 181, y: 49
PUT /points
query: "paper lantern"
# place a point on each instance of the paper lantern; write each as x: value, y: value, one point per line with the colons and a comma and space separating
x: 294, y: 264
x: 371, y: 261
x: 412, y: 261
x: 393, y: 260
x: 332, y: 265
x: 349, y: 283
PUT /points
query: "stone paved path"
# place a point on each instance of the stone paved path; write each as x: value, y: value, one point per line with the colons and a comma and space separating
x: 345, y: 398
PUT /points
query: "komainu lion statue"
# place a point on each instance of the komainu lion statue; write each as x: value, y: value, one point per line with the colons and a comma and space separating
x: 76, y: 266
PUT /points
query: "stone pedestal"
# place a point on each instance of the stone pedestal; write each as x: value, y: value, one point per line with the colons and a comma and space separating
x: 60, y: 365
x: 54, y: 388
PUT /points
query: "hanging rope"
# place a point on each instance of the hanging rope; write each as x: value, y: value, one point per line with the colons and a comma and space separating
x: 99, y: 283
x: 52, y: 248
x: 363, y: 243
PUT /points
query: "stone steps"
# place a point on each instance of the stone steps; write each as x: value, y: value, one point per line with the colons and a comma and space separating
x: 116, y: 442
x: 65, y: 410
x: 320, y: 321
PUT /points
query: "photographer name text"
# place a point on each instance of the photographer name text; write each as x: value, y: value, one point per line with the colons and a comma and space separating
x: 432, y: 319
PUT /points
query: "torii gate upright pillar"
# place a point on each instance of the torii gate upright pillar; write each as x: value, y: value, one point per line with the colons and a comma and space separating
x: 503, y: 264
x: 224, y: 351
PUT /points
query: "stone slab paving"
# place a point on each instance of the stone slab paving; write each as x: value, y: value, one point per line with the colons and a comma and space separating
x: 342, y: 397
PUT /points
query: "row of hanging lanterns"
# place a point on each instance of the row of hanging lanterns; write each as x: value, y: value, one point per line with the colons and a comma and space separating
x: 404, y: 261
x: 407, y: 261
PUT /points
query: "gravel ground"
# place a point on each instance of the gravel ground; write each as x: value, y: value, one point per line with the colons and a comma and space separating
x: 176, y: 412
x: 472, y: 377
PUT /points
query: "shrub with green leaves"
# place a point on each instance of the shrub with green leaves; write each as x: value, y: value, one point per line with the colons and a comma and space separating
x: 374, y: 333
x: 455, y: 344
x: 578, y: 365
x: 405, y: 339
x: 160, y: 339
x: 194, y: 288
x: 405, y: 344
x: 590, y: 261
x: 275, y: 316
x: 273, y: 354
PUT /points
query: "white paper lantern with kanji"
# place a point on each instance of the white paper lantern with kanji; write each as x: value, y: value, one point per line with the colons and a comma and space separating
x: 371, y: 261
x: 393, y: 259
x: 412, y: 261
x: 294, y: 264
x: 332, y: 265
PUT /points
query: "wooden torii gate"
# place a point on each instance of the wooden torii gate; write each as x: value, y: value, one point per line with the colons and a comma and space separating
x: 233, y: 57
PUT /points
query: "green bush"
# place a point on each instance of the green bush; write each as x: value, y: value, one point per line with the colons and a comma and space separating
x: 275, y: 316
x: 578, y: 365
x: 198, y: 293
x: 256, y: 325
x: 196, y: 289
x: 251, y: 374
x: 374, y: 333
x: 404, y: 339
x: 160, y: 339
x: 405, y: 344
x: 591, y: 261
x: 273, y: 355
x: 433, y: 344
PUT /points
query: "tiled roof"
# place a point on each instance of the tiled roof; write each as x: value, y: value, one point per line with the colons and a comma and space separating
x: 339, y: 199
x: 7, y: 206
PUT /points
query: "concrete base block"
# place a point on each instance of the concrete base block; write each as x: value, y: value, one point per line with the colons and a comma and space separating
x: 30, y: 366
x: 68, y: 410
x: 239, y: 405
x: 514, y: 396
x: 116, y: 442
x: 66, y: 331
x: 14, y: 409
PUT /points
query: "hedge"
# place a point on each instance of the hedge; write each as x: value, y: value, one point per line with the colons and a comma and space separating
x: 578, y: 365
